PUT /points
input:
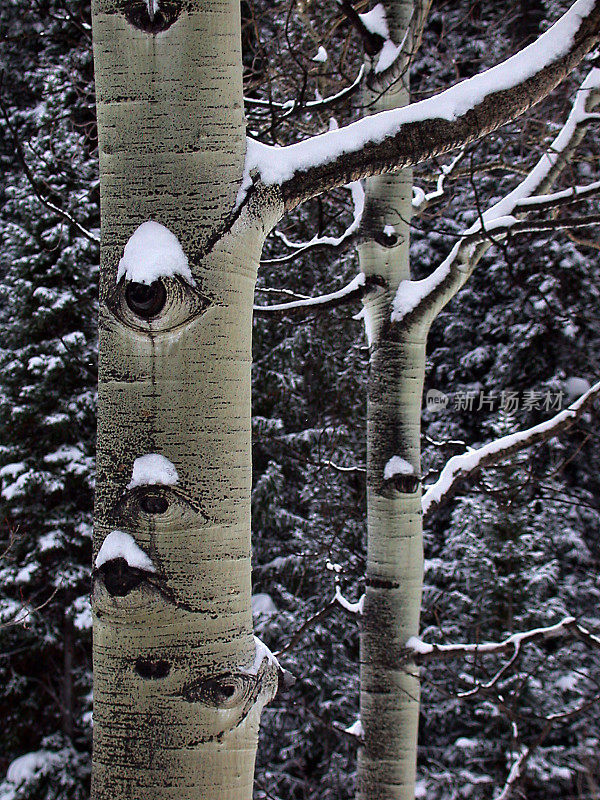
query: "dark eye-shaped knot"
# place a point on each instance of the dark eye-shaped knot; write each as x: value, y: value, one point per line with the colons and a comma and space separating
x: 167, y: 506
x: 146, y: 301
x: 153, y: 503
x: 227, y: 690
x: 157, y: 307
x: 151, y: 17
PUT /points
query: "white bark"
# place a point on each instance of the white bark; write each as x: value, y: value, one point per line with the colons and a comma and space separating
x: 177, y: 704
x: 178, y: 683
x: 389, y: 695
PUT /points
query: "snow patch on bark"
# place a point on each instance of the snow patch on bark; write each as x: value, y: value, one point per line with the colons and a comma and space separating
x: 356, y: 729
x: 375, y: 21
x: 397, y: 466
x: 153, y: 252
x: 387, y: 55
x: 153, y: 469
x: 119, y: 544
x: 321, y: 55
x: 260, y: 653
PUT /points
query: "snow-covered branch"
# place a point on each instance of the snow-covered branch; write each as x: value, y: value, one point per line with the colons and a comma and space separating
x: 433, y: 292
x: 355, y: 290
x: 401, y: 137
x: 421, y: 199
x: 348, y: 605
x: 421, y: 652
x: 564, y: 197
x: 345, y: 240
x: 463, y: 466
x: 291, y: 107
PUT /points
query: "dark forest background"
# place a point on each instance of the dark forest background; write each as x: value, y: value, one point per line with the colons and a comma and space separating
x: 518, y: 548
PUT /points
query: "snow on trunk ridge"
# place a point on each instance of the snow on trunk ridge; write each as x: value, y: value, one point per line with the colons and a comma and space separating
x: 153, y: 252
x: 153, y: 469
x: 119, y: 544
x: 397, y: 466
x: 375, y: 21
x: 356, y: 729
x: 260, y: 653
x: 152, y: 6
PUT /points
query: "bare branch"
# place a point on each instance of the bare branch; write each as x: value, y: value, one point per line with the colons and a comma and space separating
x: 399, y: 138
x: 464, y: 466
x: 307, y: 625
x: 341, y: 243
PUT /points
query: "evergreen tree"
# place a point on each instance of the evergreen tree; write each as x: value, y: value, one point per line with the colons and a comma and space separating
x: 48, y: 272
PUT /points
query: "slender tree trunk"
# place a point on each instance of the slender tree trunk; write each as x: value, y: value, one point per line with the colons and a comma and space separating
x: 389, y: 706
x: 178, y: 680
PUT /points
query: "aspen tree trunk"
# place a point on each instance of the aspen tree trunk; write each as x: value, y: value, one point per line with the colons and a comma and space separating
x: 178, y: 680
x: 389, y: 700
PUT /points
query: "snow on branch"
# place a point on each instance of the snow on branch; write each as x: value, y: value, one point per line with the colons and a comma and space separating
x: 290, y: 107
x: 346, y: 239
x: 347, y: 605
x: 573, y: 194
x: 463, y: 466
x: 355, y: 290
x: 421, y: 199
x: 420, y: 651
x: 431, y: 293
x: 401, y: 137
x: 515, y: 774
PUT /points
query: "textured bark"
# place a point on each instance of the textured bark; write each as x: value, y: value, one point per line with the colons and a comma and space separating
x: 389, y: 701
x: 178, y: 688
x: 175, y: 714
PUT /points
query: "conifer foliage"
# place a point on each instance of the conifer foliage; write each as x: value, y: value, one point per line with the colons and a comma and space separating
x: 48, y: 270
x: 516, y: 551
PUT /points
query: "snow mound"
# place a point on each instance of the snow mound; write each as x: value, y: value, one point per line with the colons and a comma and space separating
x: 153, y: 252
x: 397, y: 466
x: 153, y: 469
x: 119, y: 544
